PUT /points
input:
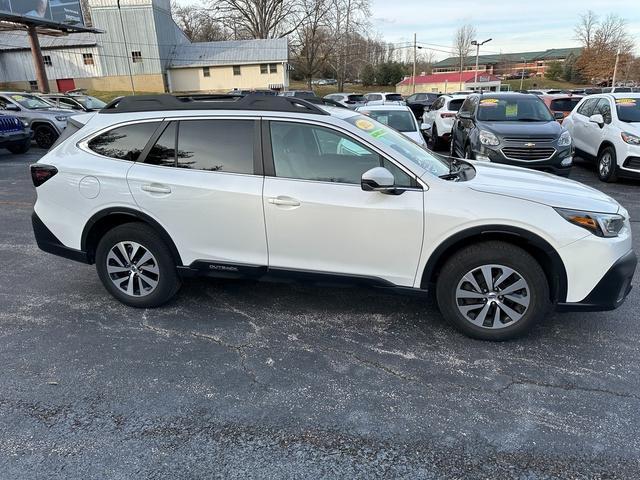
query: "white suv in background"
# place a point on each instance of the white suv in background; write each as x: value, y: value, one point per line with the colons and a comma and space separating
x: 607, y: 127
x: 399, y: 117
x: 384, y: 98
x: 438, y: 119
x: 154, y: 188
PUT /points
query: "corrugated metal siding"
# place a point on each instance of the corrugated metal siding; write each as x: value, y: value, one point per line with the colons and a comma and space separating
x: 68, y: 63
x: 234, y: 52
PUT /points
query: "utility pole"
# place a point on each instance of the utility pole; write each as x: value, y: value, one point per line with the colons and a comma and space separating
x: 41, y: 73
x: 415, y: 53
x: 615, y: 69
x: 478, y: 45
x: 126, y: 48
x: 522, y: 76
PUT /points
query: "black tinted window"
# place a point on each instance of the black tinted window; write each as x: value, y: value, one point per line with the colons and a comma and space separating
x: 564, y: 104
x: 124, y: 143
x: 315, y: 153
x: 604, y: 109
x: 467, y: 106
x: 216, y: 145
x: 454, y: 105
x: 164, y: 150
x: 628, y: 109
x: 587, y: 107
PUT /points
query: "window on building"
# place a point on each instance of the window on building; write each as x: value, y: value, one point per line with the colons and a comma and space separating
x: 206, y: 72
x: 33, y: 85
x: 216, y: 145
x: 273, y: 68
x: 236, y: 69
x: 136, y: 56
x: 87, y: 58
x: 124, y: 143
x: 264, y: 68
x: 47, y: 60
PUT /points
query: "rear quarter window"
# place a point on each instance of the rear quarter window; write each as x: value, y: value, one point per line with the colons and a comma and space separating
x: 564, y: 104
x: 124, y: 143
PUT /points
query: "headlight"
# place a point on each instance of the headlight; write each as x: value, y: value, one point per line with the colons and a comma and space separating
x: 61, y: 118
x: 600, y: 224
x: 565, y: 139
x: 630, y: 138
x: 488, y: 138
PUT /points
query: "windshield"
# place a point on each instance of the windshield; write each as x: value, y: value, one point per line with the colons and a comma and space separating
x: 90, y: 103
x: 31, y: 102
x: 401, y: 120
x: 526, y: 109
x: 628, y: 109
x: 400, y: 144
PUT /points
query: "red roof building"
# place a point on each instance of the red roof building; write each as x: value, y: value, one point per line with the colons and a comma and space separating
x: 449, y: 82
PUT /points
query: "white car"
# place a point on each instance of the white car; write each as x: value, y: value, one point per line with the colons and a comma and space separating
x: 438, y: 119
x: 155, y: 188
x: 349, y: 100
x: 396, y: 116
x: 384, y: 98
x: 606, y: 127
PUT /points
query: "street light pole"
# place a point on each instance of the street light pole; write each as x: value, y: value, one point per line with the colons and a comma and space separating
x: 522, y: 76
x: 478, y: 45
x: 615, y: 69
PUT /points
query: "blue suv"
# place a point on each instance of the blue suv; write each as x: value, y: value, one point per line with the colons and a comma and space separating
x: 15, y: 134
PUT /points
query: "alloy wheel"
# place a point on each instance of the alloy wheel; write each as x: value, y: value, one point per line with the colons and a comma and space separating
x: 493, y: 296
x: 605, y: 164
x: 133, y: 269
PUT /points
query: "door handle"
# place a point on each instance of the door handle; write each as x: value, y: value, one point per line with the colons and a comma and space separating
x: 284, y: 201
x: 155, y: 188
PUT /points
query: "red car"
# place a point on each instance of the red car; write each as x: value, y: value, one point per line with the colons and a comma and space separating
x: 563, y: 103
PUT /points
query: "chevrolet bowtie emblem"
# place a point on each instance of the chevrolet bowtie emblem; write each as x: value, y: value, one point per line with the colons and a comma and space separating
x: 529, y: 144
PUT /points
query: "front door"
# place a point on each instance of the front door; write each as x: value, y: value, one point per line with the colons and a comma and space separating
x: 198, y: 181
x: 319, y: 219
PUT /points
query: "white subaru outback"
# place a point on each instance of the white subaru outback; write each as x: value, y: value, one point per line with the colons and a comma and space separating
x: 154, y: 188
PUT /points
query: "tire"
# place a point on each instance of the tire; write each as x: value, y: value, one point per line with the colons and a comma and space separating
x: 132, y: 282
x: 519, y: 309
x: 434, y: 140
x: 452, y: 145
x: 468, y: 154
x: 45, y: 136
x: 607, y: 165
x: 21, y: 148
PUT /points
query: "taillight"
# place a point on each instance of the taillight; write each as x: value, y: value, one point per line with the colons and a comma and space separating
x: 40, y: 173
x: 447, y: 115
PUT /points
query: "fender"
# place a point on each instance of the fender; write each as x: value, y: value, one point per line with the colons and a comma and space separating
x: 554, y: 269
x: 135, y: 215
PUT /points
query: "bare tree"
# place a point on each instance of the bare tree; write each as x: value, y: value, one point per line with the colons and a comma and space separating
x: 586, y: 28
x: 314, y: 39
x: 198, y: 24
x: 462, y: 45
x: 261, y: 18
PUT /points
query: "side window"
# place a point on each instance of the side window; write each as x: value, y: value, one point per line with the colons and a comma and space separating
x: 437, y: 104
x: 587, y: 107
x: 69, y: 103
x: 412, y: 98
x: 604, y: 109
x: 216, y: 145
x: 467, y: 106
x: 309, y: 152
x: 124, y: 143
x: 163, y: 151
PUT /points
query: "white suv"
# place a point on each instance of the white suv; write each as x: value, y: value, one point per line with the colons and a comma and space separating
x: 437, y: 120
x: 607, y: 127
x: 154, y: 188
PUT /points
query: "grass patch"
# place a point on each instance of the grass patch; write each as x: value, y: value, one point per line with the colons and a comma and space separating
x: 108, y: 96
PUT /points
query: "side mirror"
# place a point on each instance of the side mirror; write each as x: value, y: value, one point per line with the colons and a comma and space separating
x: 465, y: 115
x: 558, y: 115
x: 11, y: 107
x: 424, y: 127
x: 597, y: 118
x: 378, y: 179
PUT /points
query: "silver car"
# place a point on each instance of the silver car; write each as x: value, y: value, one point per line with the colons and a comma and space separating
x: 46, y: 121
x: 349, y: 100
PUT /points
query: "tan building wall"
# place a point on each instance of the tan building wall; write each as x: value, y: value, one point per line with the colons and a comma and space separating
x: 121, y: 83
x: 222, y: 79
x: 448, y: 87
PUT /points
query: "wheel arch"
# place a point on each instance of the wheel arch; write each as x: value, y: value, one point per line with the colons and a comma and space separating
x: 105, y: 220
x: 40, y: 122
x: 605, y: 144
x: 540, y: 249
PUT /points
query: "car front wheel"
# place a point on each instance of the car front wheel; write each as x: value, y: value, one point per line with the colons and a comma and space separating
x: 45, y: 136
x: 493, y: 291
x: 136, y: 266
x: 607, y: 165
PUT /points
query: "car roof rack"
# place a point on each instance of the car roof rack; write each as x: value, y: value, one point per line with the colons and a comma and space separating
x: 150, y: 103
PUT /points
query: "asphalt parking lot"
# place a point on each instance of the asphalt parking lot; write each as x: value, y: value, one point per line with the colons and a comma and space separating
x: 236, y: 379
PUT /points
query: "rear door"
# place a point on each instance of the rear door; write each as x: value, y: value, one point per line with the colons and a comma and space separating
x: 202, y: 181
x: 320, y: 220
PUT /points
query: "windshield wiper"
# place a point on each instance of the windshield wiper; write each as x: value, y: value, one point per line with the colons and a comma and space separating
x: 532, y: 120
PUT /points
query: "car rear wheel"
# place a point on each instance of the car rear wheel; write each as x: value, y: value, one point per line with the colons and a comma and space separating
x: 607, y: 165
x: 136, y: 266
x: 493, y: 291
x: 468, y: 153
x: 21, y: 148
x: 434, y: 139
x: 45, y: 136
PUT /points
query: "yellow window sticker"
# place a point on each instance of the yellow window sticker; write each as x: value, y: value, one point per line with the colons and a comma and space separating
x: 511, y: 110
x: 489, y: 102
x: 17, y: 98
x: 626, y: 102
x: 364, y: 124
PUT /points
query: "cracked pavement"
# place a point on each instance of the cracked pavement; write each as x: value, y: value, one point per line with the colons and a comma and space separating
x: 240, y: 379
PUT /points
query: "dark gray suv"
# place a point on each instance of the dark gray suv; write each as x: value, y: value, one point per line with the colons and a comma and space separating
x: 512, y: 128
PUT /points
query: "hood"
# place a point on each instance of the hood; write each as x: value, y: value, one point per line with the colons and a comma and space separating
x: 56, y: 111
x: 528, y: 129
x: 539, y: 187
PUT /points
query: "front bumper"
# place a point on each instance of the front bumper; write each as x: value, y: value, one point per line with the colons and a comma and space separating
x: 15, y: 138
x: 611, y: 291
x: 552, y: 164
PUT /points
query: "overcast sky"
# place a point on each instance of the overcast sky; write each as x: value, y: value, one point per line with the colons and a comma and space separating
x: 514, y: 25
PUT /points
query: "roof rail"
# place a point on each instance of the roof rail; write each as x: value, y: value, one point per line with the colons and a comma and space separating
x: 150, y: 103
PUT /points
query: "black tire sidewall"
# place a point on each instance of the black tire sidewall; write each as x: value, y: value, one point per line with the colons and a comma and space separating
x: 493, y: 253
x: 169, y: 282
x: 40, y: 142
x: 19, y: 149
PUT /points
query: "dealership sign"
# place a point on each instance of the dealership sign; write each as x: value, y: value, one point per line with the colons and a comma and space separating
x: 66, y: 12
